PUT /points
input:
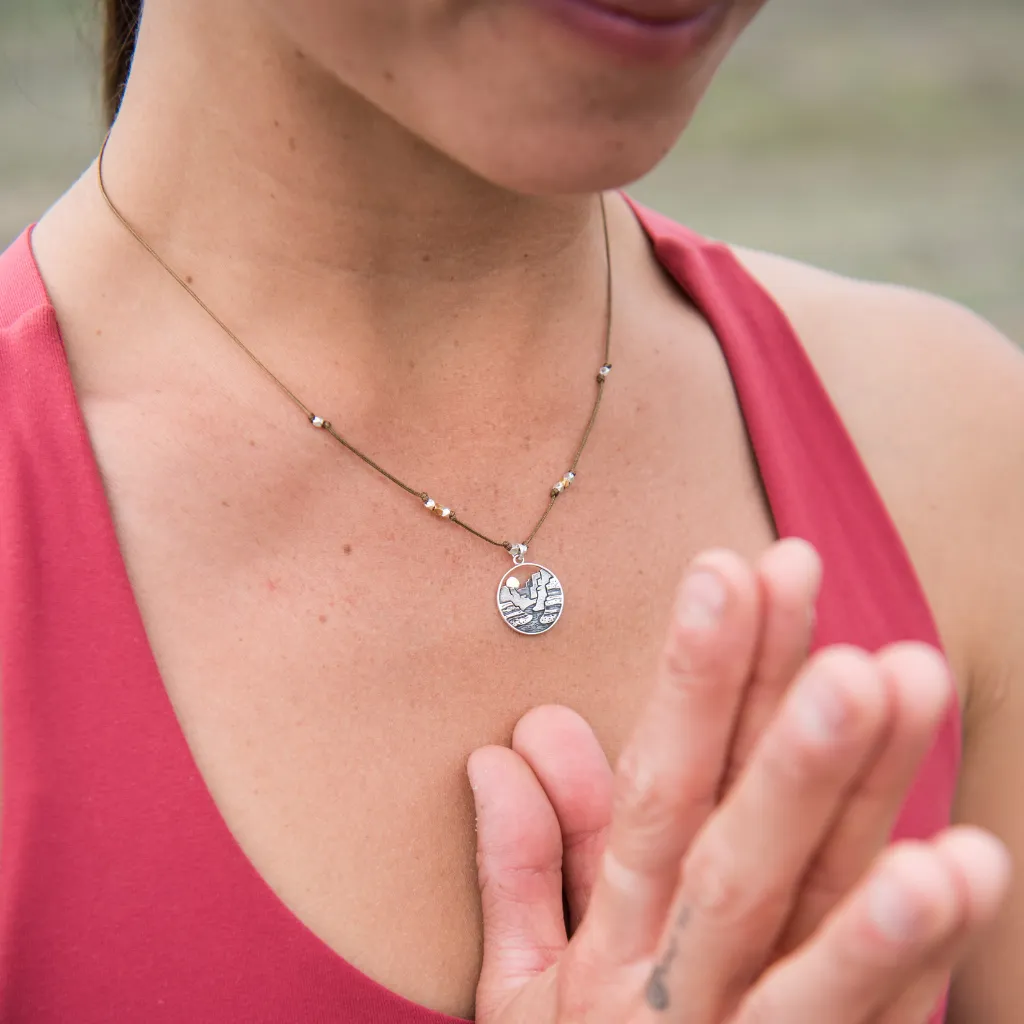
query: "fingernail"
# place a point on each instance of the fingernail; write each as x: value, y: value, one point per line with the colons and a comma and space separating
x: 702, y: 600
x: 892, y: 911
x: 821, y: 707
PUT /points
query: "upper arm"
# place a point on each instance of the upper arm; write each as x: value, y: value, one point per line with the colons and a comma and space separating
x: 969, y: 405
x: 990, y: 987
x: 934, y: 399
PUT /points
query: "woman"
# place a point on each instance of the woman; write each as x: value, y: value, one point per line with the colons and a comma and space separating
x: 244, y: 669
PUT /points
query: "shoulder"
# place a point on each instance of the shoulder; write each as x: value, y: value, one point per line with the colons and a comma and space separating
x: 847, y: 324
x: 933, y: 397
x: 899, y: 360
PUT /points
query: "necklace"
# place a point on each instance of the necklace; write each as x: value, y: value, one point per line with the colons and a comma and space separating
x: 529, y: 597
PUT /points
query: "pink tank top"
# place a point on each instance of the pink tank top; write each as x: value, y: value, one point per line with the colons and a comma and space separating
x: 123, y: 897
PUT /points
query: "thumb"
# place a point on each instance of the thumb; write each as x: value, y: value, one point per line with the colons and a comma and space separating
x: 519, y: 867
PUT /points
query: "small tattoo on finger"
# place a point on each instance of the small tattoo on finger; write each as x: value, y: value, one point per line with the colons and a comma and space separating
x: 656, y: 992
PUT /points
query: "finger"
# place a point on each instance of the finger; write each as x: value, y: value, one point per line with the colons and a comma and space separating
x: 743, y: 873
x: 789, y: 575
x: 519, y: 856
x: 880, y: 942
x: 668, y: 778
x: 565, y: 756
x: 925, y: 999
x: 920, y: 688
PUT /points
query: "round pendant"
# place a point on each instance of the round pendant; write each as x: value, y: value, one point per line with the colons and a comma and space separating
x: 530, y: 598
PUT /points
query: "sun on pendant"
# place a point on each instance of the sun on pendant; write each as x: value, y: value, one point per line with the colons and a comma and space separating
x: 530, y: 604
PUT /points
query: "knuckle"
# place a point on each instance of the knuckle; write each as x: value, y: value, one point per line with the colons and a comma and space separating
x: 680, y: 662
x: 728, y: 895
x: 634, y: 780
x: 526, y: 884
x: 639, y: 791
x: 796, y: 764
x: 651, y: 799
x: 689, y: 657
x: 510, y: 885
x: 790, y: 764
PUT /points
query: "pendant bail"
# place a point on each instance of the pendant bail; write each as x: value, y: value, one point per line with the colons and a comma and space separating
x: 518, y: 553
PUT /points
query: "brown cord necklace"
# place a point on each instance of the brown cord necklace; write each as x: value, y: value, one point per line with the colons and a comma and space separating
x: 529, y: 597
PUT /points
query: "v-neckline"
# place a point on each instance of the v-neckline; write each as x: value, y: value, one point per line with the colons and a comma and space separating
x: 695, y: 266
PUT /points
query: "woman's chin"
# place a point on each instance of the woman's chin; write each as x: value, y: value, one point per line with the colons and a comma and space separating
x: 572, y: 166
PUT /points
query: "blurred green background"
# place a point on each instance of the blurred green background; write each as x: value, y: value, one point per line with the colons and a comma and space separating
x: 882, y: 138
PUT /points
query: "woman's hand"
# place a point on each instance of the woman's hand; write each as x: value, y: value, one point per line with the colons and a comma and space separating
x: 772, y: 905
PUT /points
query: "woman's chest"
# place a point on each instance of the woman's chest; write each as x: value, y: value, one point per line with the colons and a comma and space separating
x: 333, y: 654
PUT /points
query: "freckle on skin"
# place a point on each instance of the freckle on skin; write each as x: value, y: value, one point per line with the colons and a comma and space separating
x: 226, y: 504
x: 322, y: 618
x: 389, y: 76
x: 347, y: 549
x: 188, y: 279
x: 98, y: 332
x: 252, y: 444
x: 291, y: 143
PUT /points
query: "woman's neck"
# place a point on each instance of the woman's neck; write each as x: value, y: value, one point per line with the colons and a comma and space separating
x: 259, y: 172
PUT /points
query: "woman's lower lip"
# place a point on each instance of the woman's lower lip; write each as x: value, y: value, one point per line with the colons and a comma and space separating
x: 633, y: 36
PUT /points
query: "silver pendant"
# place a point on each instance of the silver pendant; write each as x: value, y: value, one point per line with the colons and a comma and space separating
x: 530, y: 596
